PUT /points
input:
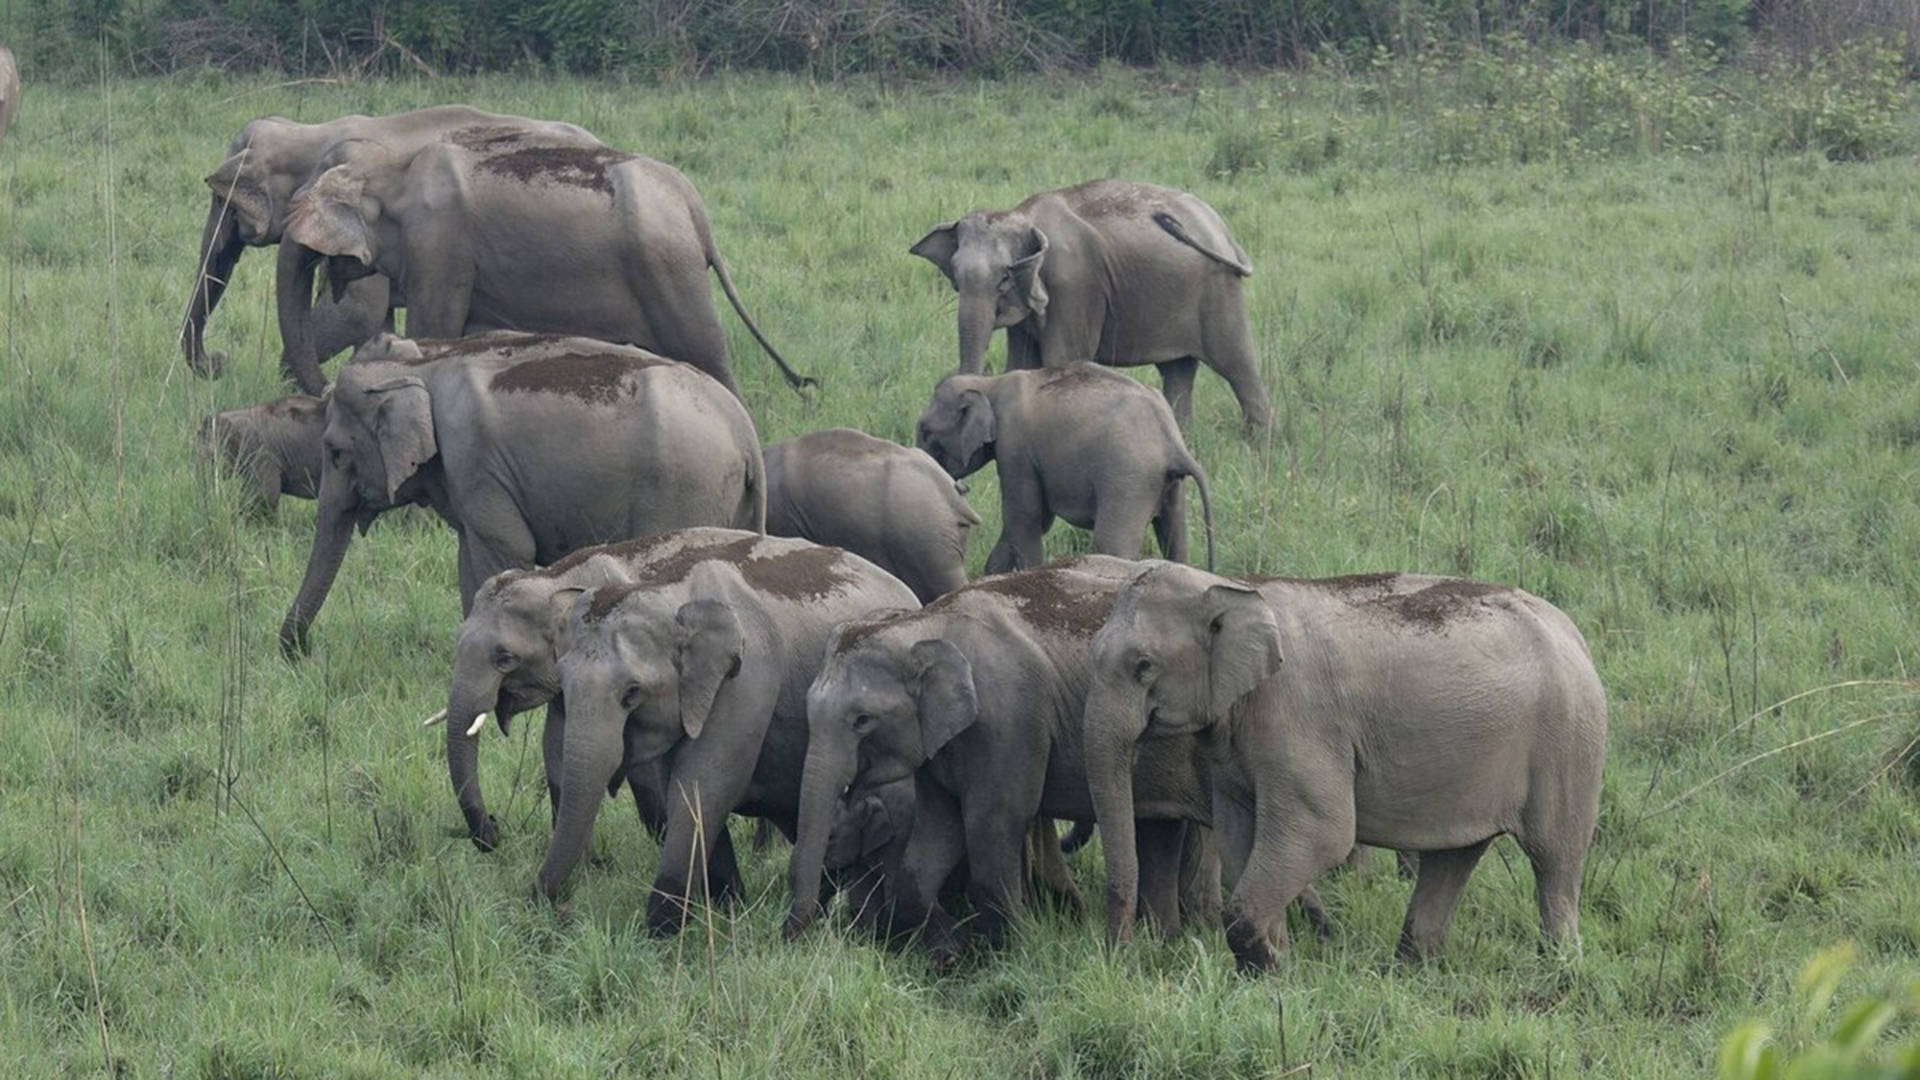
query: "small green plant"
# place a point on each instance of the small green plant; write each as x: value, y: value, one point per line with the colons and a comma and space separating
x: 1851, y: 1049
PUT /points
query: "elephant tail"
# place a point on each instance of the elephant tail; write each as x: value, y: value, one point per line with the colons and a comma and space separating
x: 1186, y: 466
x: 1237, y: 262
x: 794, y: 378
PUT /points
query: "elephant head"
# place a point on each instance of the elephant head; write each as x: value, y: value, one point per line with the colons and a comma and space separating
x: 506, y: 662
x: 993, y: 262
x: 338, y: 218
x: 958, y: 427
x: 1179, y: 650
x: 379, y: 434
x: 878, y: 710
x: 643, y: 670
x: 249, y: 201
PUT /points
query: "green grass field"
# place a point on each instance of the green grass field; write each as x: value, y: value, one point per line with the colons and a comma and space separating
x: 1672, y: 392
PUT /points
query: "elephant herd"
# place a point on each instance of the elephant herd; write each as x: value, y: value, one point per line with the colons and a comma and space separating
x: 788, y: 633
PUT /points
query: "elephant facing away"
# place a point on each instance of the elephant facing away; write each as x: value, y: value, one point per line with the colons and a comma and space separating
x: 496, y: 229
x: 274, y: 448
x: 1425, y: 714
x: 9, y: 90
x: 977, y: 699
x: 1114, y: 271
x: 1077, y: 442
x: 271, y: 159
x: 701, y: 671
x: 887, y: 502
x: 529, y: 446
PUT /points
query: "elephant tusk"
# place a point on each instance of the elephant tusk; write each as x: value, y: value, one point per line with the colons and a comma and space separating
x: 434, y: 719
x: 478, y: 723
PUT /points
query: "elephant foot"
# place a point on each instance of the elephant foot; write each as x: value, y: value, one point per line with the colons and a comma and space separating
x: 1253, y: 954
x: 486, y: 836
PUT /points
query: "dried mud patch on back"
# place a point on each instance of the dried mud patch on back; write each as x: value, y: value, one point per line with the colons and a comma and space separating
x: 503, y: 342
x: 1439, y: 605
x: 1082, y: 376
x: 806, y: 572
x: 801, y: 573
x: 845, y: 443
x: 1102, y: 198
x: 574, y: 166
x: 1047, y: 600
x: 595, y: 378
x: 298, y: 407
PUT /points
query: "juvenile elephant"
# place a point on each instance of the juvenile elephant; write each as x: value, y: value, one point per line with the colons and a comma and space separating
x: 275, y: 447
x: 267, y: 162
x: 1425, y: 714
x: 1077, y: 442
x: 704, y: 670
x: 977, y: 699
x: 9, y: 90
x: 887, y: 502
x: 530, y: 446
x: 496, y: 229
x: 1110, y: 270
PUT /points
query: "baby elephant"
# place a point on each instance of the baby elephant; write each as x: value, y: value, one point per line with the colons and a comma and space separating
x: 1078, y: 442
x: 274, y: 447
x: 878, y: 499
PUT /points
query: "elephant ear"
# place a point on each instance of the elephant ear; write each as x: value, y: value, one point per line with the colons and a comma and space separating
x: 333, y: 216
x: 246, y: 198
x: 710, y: 646
x: 938, y: 246
x: 559, y: 608
x: 1243, y: 647
x: 403, y: 424
x: 943, y: 687
x: 978, y: 427
x: 1028, y: 289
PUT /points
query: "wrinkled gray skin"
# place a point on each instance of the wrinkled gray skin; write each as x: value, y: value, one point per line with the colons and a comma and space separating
x: 506, y: 661
x: 274, y: 448
x: 499, y: 230
x: 530, y: 446
x: 1077, y: 442
x: 1419, y: 713
x: 705, y: 675
x: 977, y: 699
x: 887, y: 502
x: 1111, y: 270
x: 271, y: 159
x: 9, y: 90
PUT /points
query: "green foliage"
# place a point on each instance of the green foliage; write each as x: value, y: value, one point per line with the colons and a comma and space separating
x: 1851, y: 1049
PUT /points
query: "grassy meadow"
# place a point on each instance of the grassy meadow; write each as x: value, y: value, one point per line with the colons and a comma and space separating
x: 1670, y: 389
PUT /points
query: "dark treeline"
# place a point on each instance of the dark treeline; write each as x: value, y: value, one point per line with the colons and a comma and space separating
x: 834, y: 37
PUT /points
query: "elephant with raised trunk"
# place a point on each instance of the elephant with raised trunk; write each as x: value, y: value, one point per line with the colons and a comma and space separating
x: 498, y: 229
x: 887, y: 502
x: 271, y: 159
x: 977, y: 698
x: 700, y: 670
x: 1114, y: 271
x: 1077, y: 442
x: 530, y: 446
x: 274, y: 448
x: 1425, y: 714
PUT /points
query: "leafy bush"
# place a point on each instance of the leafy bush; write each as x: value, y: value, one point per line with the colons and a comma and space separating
x: 1852, y: 1048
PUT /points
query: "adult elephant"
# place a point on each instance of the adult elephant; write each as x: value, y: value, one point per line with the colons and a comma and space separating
x: 702, y: 669
x: 1115, y: 271
x: 271, y: 159
x: 530, y: 446
x: 1419, y: 713
x: 978, y: 698
x: 501, y: 230
x: 9, y: 90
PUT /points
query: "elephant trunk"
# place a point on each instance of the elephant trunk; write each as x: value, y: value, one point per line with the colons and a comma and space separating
x: 976, y: 330
x: 828, y: 771
x: 332, y: 532
x: 293, y: 298
x: 1115, y: 718
x: 476, y: 689
x: 593, y: 752
x: 220, y: 251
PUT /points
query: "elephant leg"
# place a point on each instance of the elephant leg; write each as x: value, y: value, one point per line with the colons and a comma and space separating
x: 648, y: 782
x: 1120, y: 529
x: 1176, y: 385
x: 1024, y: 521
x: 1050, y: 867
x: 1556, y: 881
x: 1157, y: 843
x: 1442, y: 875
x: 553, y: 755
x: 1170, y: 522
x: 356, y: 317
x: 692, y: 851
x: 1230, y: 351
x: 935, y: 848
x: 1199, y: 875
x: 995, y: 866
x: 1316, y: 912
x: 724, y: 883
x: 1293, y: 841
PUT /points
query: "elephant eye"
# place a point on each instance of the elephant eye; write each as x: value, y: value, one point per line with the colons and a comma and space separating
x: 863, y: 723
x: 1142, y: 670
x: 630, y: 697
x: 503, y: 658
x: 1006, y: 280
x: 335, y: 456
